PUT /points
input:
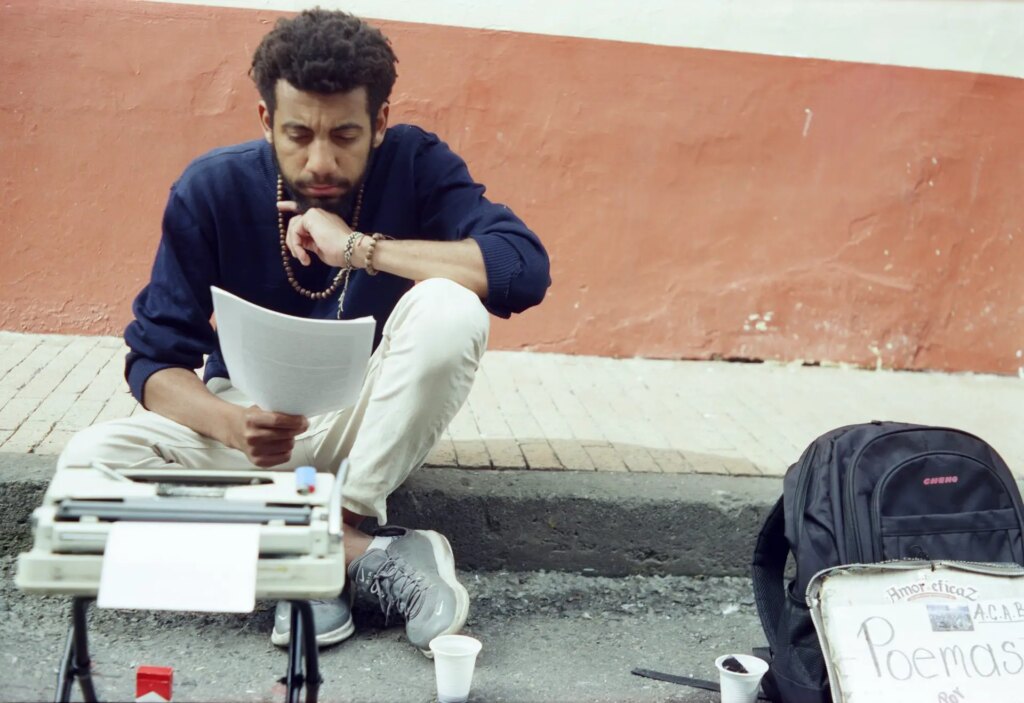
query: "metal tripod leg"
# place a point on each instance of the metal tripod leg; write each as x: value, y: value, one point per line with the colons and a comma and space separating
x: 303, y: 660
x: 76, y: 664
x: 302, y: 642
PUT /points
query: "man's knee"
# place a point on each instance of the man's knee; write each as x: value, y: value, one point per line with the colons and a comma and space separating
x: 450, y: 323
x: 116, y: 443
x: 85, y: 446
x: 443, y: 324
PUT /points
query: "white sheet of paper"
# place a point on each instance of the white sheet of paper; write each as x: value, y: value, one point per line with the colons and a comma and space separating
x: 180, y: 566
x: 291, y: 364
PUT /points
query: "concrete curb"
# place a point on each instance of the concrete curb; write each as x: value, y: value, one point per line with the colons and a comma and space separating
x: 595, y: 523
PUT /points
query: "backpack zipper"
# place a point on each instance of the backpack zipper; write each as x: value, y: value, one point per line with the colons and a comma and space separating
x: 802, y: 480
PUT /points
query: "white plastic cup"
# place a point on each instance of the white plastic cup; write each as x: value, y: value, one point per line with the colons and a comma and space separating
x: 454, y: 660
x: 741, y: 688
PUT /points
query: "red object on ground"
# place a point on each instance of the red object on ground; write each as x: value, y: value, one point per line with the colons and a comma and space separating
x: 156, y: 679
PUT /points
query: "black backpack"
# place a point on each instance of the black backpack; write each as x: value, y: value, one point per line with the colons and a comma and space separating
x: 870, y: 493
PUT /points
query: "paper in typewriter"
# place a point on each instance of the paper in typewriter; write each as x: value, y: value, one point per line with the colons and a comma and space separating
x: 180, y: 566
x: 291, y: 364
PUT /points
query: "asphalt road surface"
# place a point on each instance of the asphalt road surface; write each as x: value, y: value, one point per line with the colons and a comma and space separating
x: 546, y: 637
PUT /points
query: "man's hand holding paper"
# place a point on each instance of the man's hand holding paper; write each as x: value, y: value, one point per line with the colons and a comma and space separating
x: 266, y: 437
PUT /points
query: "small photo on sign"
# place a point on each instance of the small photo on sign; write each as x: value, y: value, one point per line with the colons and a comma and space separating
x: 950, y: 618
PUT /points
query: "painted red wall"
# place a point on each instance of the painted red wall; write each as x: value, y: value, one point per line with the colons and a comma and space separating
x: 692, y: 205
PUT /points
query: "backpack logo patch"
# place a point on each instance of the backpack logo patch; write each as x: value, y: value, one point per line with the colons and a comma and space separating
x: 939, y: 480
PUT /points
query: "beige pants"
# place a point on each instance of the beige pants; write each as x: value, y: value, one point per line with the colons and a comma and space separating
x: 417, y: 379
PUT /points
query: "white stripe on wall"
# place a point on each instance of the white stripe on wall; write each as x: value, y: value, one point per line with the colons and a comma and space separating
x: 977, y: 36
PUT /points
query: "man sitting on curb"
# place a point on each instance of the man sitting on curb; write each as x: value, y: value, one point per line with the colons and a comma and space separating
x: 367, y: 211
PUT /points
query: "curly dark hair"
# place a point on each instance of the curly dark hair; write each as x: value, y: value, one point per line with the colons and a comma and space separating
x: 323, y: 51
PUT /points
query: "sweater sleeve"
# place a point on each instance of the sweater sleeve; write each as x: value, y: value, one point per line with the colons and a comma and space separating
x: 172, y: 313
x: 453, y: 206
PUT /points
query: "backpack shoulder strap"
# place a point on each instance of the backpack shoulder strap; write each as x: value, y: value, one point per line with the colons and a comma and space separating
x: 768, y: 571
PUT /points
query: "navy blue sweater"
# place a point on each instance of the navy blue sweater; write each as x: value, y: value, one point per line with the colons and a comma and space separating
x: 220, y: 228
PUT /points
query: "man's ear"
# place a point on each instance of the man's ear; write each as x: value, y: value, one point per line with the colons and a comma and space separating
x: 381, y: 125
x: 266, y: 122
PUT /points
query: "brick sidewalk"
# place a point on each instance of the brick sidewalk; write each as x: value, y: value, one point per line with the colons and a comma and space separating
x: 555, y: 412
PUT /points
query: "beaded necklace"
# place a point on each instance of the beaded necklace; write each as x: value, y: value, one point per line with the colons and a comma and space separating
x: 343, y: 275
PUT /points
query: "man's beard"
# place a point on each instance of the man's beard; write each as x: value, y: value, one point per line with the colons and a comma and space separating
x: 341, y: 205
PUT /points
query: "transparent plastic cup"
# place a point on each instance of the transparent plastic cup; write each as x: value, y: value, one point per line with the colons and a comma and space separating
x: 737, y: 687
x: 454, y: 661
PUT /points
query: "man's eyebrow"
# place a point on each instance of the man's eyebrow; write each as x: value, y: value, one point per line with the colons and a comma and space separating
x: 337, y: 128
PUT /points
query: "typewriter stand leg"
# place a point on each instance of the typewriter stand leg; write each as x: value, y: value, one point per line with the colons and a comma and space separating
x: 76, y: 664
x: 302, y: 642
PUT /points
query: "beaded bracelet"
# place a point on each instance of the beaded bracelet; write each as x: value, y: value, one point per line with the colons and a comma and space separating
x: 369, y: 254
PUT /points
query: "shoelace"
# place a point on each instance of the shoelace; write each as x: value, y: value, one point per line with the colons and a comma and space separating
x: 397, y: 590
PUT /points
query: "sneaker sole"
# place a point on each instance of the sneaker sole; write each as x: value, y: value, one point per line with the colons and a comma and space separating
x: 325, y: 639
x: 446, y: 570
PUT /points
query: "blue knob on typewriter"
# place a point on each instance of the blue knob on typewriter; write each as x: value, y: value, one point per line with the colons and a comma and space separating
x: 305, y: 480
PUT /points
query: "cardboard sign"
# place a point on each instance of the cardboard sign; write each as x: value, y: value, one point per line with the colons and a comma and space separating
x: 922, y: 631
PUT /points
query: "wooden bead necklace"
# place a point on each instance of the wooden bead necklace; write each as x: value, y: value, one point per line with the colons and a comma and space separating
x: 343, y: 274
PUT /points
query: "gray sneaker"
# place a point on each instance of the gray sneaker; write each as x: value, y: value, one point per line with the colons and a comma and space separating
x: 332, y: 620
x: 415, y: 577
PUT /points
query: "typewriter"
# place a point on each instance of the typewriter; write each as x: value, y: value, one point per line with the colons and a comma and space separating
x: 300, y: 550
